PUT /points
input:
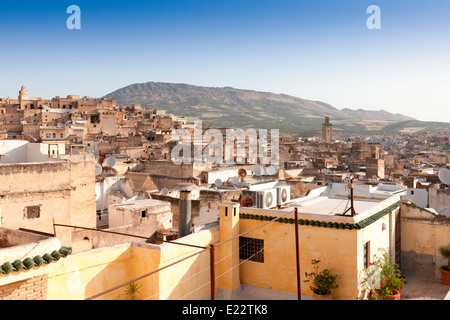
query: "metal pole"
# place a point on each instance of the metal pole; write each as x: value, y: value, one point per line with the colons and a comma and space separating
x: 212, y: 272
x: 353, y: 213
x: 297, y: 254
x: 54, y: 228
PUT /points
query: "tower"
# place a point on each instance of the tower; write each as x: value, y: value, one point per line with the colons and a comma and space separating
x: 23, y: 94
x: 327, y: 130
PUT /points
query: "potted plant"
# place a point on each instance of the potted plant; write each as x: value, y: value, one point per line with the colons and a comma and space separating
x: 445, y: 270
x: 383, y: 278
x: 321, y: 282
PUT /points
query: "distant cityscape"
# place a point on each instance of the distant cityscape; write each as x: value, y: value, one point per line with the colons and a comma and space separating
x: 93, y: 183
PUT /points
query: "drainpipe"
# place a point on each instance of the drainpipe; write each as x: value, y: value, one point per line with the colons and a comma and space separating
x: 184, y: 215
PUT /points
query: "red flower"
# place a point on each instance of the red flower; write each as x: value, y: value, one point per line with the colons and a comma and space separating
x: 382, y: 286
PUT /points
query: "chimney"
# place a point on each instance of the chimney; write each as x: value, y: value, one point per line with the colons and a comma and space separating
x: 184, y: 215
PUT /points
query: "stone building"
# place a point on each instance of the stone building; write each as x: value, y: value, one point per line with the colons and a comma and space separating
x: 36, y: 191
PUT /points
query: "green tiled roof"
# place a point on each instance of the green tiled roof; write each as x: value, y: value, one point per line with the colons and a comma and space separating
x: 326, y: 224
x: 37, y: 261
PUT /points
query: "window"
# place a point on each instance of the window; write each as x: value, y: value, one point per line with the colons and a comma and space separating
x: 251, y: 249
x: 366, y: 254
x: 143, y: 213
x: 95, y: 119
x: 32, y: 212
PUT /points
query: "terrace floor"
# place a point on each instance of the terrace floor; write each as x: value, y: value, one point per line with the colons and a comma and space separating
x: 416, y: 288
x: 419, y: 288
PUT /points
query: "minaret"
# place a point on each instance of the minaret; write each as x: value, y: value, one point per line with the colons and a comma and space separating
x: 326, y: 130
x: 23, y: 94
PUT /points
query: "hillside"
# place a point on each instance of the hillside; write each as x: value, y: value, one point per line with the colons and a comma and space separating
x: 230, y: 107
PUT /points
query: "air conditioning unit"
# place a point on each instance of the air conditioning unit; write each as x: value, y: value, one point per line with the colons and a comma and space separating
x: 266, y: 199
x: 283, y: 195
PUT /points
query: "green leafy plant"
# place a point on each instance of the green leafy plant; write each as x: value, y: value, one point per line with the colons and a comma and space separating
x: 382, y: 277
x: 132, y: 289
x: 321, y: 282
x: 445, y: 252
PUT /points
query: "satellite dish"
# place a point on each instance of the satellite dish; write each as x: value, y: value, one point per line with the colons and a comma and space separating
x: 75, y: 152
x: 259, y: 171
x: 247, y: 201
x: 242, y: 173
x: 111, y: 161
x: 271, y: 170
x: 218, y: 183
x: 405, y: 174
x: 98, y: 169
x: 235, y: 180
x: 386, y: 176
x: 164, y: 191
x: 444, y: 176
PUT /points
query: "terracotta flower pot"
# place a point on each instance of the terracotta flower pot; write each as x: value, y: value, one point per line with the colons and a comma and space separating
x: 445, y: 275
x: 322, y: 296
x: 395, y: 296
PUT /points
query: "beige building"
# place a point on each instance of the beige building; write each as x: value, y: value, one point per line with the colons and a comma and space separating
x: 38, y: 190
x: 253, y: 255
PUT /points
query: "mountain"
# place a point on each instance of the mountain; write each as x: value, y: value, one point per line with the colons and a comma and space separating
x: 376, y: 115
x: 414, y: 126
x: 230, y: 107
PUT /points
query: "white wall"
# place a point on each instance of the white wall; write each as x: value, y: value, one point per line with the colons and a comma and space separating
x: 418, y: 196
x: 20, y: 151
x: 16, y: 151
x: 440, y: 201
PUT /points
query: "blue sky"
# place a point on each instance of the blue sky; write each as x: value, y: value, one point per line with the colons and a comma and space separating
x: 318, y: 50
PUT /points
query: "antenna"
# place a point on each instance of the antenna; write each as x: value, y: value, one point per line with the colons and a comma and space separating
x: 444, y: 176
x: 352, y: 207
